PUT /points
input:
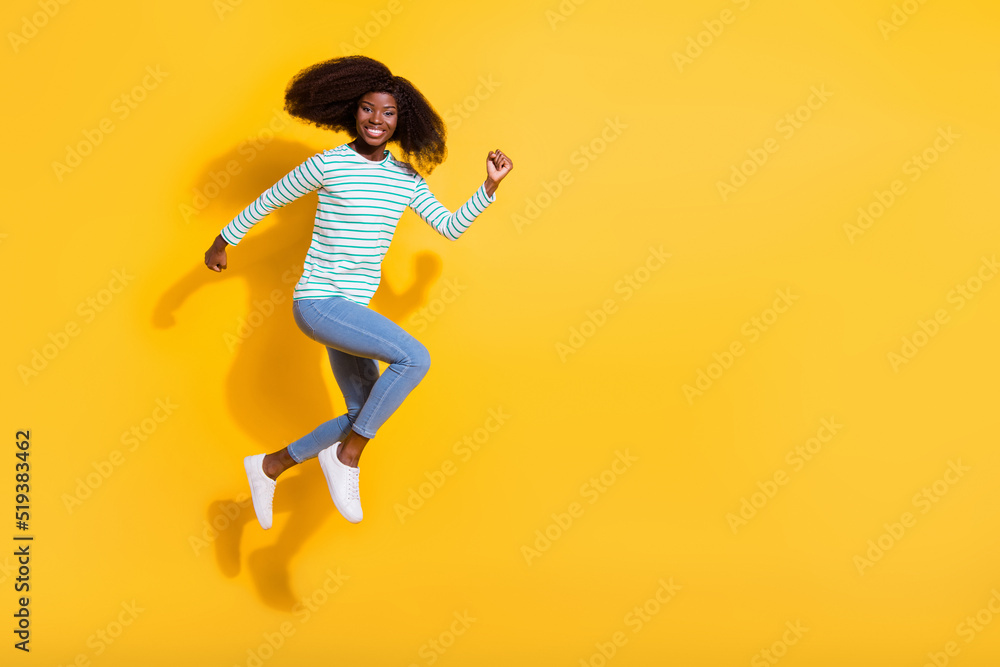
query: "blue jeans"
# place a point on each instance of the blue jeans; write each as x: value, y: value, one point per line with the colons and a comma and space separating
x: 355, y: 336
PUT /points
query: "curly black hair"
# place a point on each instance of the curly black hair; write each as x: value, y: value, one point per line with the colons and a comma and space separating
x: 327, y: 94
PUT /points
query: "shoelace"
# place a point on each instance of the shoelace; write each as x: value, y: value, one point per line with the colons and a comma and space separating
x: 352, y: 484
x: 267, y: 483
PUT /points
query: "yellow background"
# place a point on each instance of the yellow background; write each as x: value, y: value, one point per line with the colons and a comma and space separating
x: 558, y: 79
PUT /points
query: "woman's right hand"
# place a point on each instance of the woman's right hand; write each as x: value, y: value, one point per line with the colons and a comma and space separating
x: 215, y: 257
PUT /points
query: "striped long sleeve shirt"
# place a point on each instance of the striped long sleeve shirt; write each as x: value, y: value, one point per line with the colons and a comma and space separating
x: 360, y: 204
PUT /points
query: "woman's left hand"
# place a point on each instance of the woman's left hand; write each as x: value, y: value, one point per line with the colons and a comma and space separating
x: 498, y: 166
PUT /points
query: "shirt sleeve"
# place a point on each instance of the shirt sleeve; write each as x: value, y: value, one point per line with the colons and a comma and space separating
x: 448, y: 224
x: 300, y: 181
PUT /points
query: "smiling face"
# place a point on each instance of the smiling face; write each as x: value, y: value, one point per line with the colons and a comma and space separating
x: 376, y: 118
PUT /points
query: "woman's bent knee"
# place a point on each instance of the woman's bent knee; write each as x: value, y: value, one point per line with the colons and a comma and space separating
x: 420, y: 359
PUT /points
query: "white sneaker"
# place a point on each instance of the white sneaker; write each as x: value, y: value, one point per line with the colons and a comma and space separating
x: 261, y: 489
x: 342, y: 481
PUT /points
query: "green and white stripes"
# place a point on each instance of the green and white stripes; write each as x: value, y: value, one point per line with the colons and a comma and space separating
x: 360, y: 203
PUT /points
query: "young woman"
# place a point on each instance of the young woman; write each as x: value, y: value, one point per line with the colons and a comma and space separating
x: 363, y: 191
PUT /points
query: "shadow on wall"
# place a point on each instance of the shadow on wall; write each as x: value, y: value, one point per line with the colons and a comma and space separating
x: 274, y: 389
